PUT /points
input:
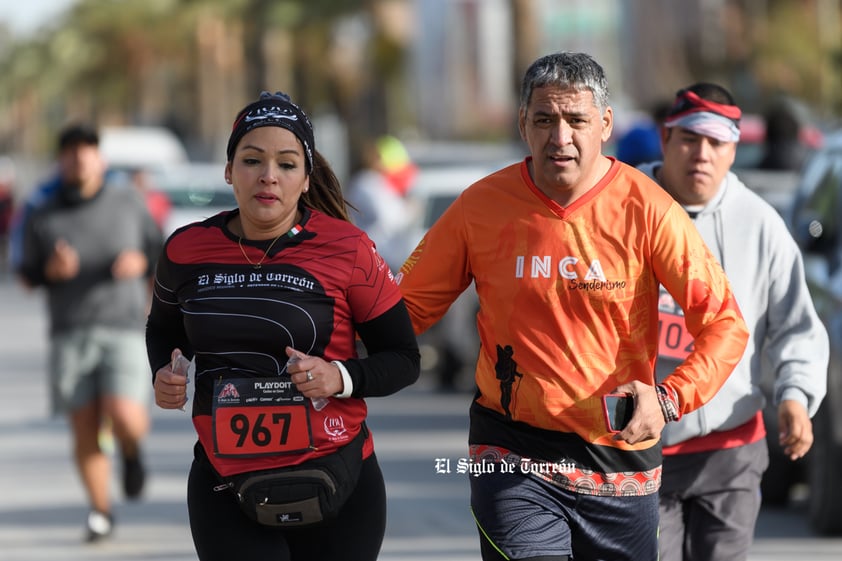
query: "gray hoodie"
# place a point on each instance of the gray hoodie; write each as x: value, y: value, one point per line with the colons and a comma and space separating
x: 99, y: 228
x: 787, y: 342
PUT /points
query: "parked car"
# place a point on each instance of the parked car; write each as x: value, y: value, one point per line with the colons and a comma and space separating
x: 777, y: 186
x: 814, y: 220
x: 195, y: 191
x: 752, y: 145
x: 148, y: 148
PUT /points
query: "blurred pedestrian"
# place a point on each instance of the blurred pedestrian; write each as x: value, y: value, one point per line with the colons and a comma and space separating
x: 7, y: 185
x: 269, y: 299
x: 92, y: 245
x: 157, y: 201
x: 714, y: 457
x: 40, y: 196
x: 378, y: 191
x: 567, y: 250
x: 783, y: 148
x: 642, y: 142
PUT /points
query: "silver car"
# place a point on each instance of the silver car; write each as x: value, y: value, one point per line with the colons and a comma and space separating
x: 195, y: 191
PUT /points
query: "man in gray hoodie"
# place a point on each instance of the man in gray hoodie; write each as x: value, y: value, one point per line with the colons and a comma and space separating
x: 92, y: 245
x: 714, y: 458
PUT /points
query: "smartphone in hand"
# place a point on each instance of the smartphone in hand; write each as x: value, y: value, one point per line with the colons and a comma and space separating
x: 618, y: 409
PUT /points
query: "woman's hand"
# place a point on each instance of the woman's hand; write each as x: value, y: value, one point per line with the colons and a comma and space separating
x: 171, y: 386
x: 312, y: 375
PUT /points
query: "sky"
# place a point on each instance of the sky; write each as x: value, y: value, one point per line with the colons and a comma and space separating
x: 26, y: 16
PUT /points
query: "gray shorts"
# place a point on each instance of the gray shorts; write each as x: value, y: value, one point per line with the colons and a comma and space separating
x: 88, y: 363
x: 710, y: 502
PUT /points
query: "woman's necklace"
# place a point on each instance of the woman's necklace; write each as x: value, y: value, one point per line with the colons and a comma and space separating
x: 291, y: 233
x: 265, y: 253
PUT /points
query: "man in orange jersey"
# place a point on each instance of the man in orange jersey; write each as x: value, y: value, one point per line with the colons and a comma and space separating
x: 567, y: 251
x: 715, y: 457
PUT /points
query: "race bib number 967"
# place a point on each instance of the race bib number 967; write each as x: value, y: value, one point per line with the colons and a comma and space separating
x: 260, y: 416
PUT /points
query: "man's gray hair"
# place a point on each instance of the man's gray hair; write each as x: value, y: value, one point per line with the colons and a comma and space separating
x: 578, y: 71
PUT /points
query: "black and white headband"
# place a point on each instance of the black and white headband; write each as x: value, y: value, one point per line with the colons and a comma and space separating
x: 274, y: 110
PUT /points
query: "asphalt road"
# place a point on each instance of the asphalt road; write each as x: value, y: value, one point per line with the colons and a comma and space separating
x: 42, y: 507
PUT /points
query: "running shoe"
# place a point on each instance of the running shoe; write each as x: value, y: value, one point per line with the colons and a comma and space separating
x: 99, y: 525
x: 134, y: 476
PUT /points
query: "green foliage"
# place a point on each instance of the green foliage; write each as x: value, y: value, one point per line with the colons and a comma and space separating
x: 104, y: 56
x: 188, y: 62
x: 792, y: 56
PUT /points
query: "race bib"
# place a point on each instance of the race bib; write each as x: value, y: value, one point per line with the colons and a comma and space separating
x: 674, y: 341
x: 260, y: 416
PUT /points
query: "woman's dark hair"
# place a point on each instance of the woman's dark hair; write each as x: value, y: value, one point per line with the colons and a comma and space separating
x: 325, y: 193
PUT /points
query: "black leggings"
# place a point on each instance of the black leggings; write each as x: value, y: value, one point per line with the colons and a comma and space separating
x: 221, y: 532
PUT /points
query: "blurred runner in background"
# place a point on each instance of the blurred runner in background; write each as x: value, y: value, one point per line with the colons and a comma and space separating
x: 378, y: 192
x: 7, y: 185
x: 92, y: 246
x: 642, y: 142
x: 714, y: 457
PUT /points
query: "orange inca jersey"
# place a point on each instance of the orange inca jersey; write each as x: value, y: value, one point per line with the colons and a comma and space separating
x: 569, y: 296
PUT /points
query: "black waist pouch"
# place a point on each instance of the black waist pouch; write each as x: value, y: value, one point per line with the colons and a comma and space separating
x: 304, y: 494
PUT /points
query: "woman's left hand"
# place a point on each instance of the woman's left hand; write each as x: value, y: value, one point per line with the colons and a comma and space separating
x: 312, y: 375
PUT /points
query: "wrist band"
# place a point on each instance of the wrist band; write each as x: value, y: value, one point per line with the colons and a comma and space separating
x: 668, y: 403
x: 347, y: 383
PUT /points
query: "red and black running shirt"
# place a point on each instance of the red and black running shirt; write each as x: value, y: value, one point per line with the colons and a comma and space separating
x: 316, y: 285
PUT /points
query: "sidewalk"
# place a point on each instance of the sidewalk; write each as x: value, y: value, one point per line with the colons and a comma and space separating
x: 42, y: 506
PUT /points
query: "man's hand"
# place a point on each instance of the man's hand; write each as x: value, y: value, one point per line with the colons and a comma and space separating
x: 63, y: 262
x: 130, y: 264
x: 647, y: 422
x: 795, y: 430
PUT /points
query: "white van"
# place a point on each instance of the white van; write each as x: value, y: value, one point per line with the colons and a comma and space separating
x: 132, y: 148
